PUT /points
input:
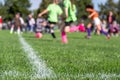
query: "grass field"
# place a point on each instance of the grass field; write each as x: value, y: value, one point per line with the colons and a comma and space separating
x: 81, y: 59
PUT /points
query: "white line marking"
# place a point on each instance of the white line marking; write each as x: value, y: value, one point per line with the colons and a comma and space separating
x: 10, y: 73
x: 13, y: 74
x: 103, y: 76
x: 91, y: 75
x: 39, y: 66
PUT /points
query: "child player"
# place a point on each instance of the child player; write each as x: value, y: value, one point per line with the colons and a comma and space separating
x: 53, y: 11
x: 40, y: 23
x: 16, y: 24
x: 95, y: 17
x: 70, y: 13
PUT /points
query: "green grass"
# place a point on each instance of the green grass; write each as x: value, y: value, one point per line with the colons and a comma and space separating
x: 74, y: 61
x: 12, y: 57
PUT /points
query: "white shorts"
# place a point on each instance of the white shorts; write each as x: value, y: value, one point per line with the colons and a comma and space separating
x: 97, y: 21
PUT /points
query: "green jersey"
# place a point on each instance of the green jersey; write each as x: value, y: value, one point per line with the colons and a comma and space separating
x: 54, y: 11
x: 71, y: 11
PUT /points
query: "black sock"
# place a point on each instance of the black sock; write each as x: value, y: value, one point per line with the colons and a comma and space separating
x: 53, y: 35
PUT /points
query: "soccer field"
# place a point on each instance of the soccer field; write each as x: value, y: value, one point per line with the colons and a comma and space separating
x: 23, y: 57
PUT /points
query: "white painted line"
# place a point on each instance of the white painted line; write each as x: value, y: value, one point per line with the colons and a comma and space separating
x: 101, y: 76
x: 10, y: 73
x: 13, y: 74
x: 39, y: 66
x: 91, y: 76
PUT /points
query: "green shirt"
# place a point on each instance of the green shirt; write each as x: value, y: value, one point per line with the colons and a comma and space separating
x: 71, y: 11
x: 54, y: 11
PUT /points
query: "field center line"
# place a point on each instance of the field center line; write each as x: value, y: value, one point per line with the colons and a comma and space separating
x: 39, y: 67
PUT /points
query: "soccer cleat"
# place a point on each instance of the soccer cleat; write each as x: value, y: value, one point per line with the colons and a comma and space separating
x: 11, y: 32
x: 64, y: 40
x: 88, y: 37
x: 108, y: 37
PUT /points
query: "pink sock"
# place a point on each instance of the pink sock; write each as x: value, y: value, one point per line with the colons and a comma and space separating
x: 73, y: 29
x: 64, y: 37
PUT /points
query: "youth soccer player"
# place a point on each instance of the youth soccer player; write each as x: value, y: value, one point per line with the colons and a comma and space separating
x: 53, y: 11
x: 70, y: 13
x: 16, y: 24
x: 95, y: 17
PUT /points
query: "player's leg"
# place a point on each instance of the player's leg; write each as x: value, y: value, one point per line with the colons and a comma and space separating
x: 18, y: 30
x: 52, y: 30
x: 12, y: 29
x: 89, y: 30
x: 63, y: 33
x: 97, y: 23
x: 99, y: 28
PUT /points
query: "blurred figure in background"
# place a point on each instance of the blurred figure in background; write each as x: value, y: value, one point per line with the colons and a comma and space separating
x: 110, y: 19
x: 16, y: 24
x: 27, y: 24
x: 104, y: 25
x: 40, y: 24
x: 22, y: 23
x: 114, y: 29
x: 1, y: 22
x: 31, y: 23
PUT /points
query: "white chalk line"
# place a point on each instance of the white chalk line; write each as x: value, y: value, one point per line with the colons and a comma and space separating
x: 39, y: 67
x: 63, y: 75
x: 10, y: 73
x: 91, y: 75
x: 13, y: 74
